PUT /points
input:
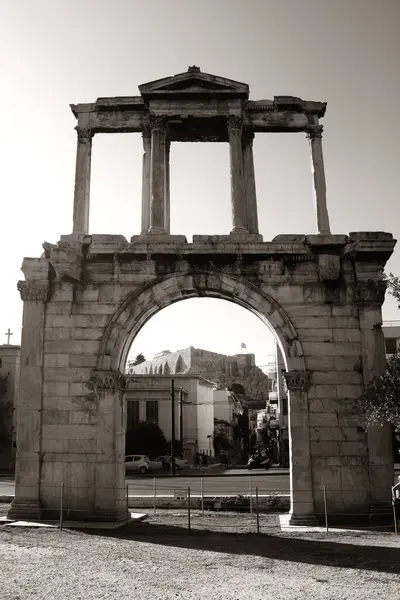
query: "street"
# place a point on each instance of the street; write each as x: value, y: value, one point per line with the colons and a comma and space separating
x: 215, y: 485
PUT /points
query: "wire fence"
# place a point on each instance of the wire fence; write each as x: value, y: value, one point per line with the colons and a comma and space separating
x: 250, y: 501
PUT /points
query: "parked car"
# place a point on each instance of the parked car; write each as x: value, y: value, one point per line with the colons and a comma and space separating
x: 157, y: 464
x: 139, y: 463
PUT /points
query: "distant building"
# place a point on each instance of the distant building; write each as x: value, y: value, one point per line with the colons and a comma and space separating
x: 148, y: 398
x: 9, y: 393
x: 391, y: 332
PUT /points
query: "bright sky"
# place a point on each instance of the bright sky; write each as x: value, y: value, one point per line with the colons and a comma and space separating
x: 57, y: 52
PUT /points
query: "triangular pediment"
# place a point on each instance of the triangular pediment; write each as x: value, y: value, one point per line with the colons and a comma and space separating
x: 194, y: 82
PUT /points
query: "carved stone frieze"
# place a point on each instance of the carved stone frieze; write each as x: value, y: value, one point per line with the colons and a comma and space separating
x: 109, y: 380
x: 85, y: 134
x: 32, y: 291
x: 297, y: 381
x: 314, y: 132
x: 371, y: 291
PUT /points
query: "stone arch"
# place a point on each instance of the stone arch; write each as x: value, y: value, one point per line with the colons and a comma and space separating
x: 147, y: 300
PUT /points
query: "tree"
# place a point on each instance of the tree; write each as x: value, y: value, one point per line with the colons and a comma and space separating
x: 394, y: 286
x: 139, y: 359
x: 146, y: 437
x: 381, y: 398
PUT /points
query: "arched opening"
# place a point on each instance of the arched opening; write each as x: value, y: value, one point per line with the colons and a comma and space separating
x: 143, y: 303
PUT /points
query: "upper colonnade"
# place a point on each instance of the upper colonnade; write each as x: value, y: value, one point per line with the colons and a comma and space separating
x: 195, y: 107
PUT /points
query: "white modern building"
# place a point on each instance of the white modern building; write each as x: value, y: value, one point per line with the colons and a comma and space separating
x: 149, y: 398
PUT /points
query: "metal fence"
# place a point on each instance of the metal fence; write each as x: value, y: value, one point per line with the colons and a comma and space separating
x: 249, y: 500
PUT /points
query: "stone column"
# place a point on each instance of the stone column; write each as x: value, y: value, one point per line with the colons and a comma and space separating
x: 370, y: 297
x: 249, y: 181
x: 167, y: 189
x: 109, y: 493
x: 26, y: 504
x: 235, y: 124
x: 301, y: 482
x: 157, y: 175
x: 146, y: 135
x: 314, y: 134
x: 82, y: 181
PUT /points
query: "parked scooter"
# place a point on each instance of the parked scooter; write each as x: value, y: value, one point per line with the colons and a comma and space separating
x: 258, y: 461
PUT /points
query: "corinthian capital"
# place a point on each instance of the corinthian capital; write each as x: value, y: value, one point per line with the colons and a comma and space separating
x: 33, y: 291
x: 297, y: 381
x: 109, y: 380
x: 314, y: 132
x: 158, y: 122
x: 371, y: 291
x: 85, y: 134
x: 235, y: 123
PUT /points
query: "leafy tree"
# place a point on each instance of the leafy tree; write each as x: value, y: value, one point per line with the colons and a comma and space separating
x: 381, y: 398
x: 140, y: 358
x: 146, y: 437
x: 394, y: 286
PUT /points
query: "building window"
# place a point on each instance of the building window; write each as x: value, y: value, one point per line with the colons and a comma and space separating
x: 152, y: 410
x: 132, y: 414
x: 390, y: 345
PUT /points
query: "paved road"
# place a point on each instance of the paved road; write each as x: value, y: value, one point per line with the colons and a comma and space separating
x: 225, y: 484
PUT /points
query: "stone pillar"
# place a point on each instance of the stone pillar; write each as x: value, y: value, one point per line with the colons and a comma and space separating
x: 26, y: 504
x: 167, y: 189
x: 314, y: 134
x: 157, y: 175
x: 301, y: 482
x: 110, y: 493
x: 146, y: 135
x: 249, y: 181
x: 82, y: 181
x: 370, y: 297
x: 235, y: 124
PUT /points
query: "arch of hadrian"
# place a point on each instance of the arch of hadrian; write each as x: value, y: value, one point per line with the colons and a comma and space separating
x: 87, y: 297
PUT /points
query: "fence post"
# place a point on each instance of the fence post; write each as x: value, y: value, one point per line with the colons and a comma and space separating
x: 251, y: 496
x: 61, y: 505
x: 127, y: 501
x: 154, y: 494
x: 202, y: 496
x: 326, y: 510
x: 257, y: 512
x: 188, y: 505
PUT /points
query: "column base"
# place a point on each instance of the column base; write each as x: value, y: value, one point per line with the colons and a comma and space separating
x: 154, y: 238
x: 26, y: 511
x: 156, y: 230
x: 239, y: 230
x: 303, y: 520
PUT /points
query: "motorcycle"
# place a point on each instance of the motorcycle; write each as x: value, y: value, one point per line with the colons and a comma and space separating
x: 258, y: 461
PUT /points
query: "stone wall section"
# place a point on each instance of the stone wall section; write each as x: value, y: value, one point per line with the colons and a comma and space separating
x: 87, y: 298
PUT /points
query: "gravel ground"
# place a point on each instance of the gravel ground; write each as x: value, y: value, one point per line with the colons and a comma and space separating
x: 160, y: 559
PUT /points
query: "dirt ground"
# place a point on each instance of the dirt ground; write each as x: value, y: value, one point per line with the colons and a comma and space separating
x: 219, y: 559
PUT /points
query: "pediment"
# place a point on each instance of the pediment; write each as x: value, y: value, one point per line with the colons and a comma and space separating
x: 194, y: 83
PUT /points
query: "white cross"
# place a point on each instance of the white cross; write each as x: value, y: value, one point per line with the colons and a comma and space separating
x: 8, y: 335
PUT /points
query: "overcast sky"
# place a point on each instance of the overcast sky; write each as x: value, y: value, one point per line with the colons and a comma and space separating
x: 57, y: 52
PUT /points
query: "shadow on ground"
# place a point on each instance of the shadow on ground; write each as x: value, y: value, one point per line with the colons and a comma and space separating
x: 327, y: 553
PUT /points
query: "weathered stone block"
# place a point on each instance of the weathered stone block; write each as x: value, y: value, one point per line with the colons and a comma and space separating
x: 323, y: 419
x: 57, y: 333
x: 56, y: 360
x: 69, y: 432
x: 353, y: 448
x: 94, y: 308
x: 61, y: 374
x: 323, y: 448
x: 349, y: 391
x: 82, y: 446
x: 83, y: 360
x: 333, y: 349
x: 87, y: 333
x: 55, y: 417
x: 346, y: 335
x: 72, y: 347
x: 55, y: 388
